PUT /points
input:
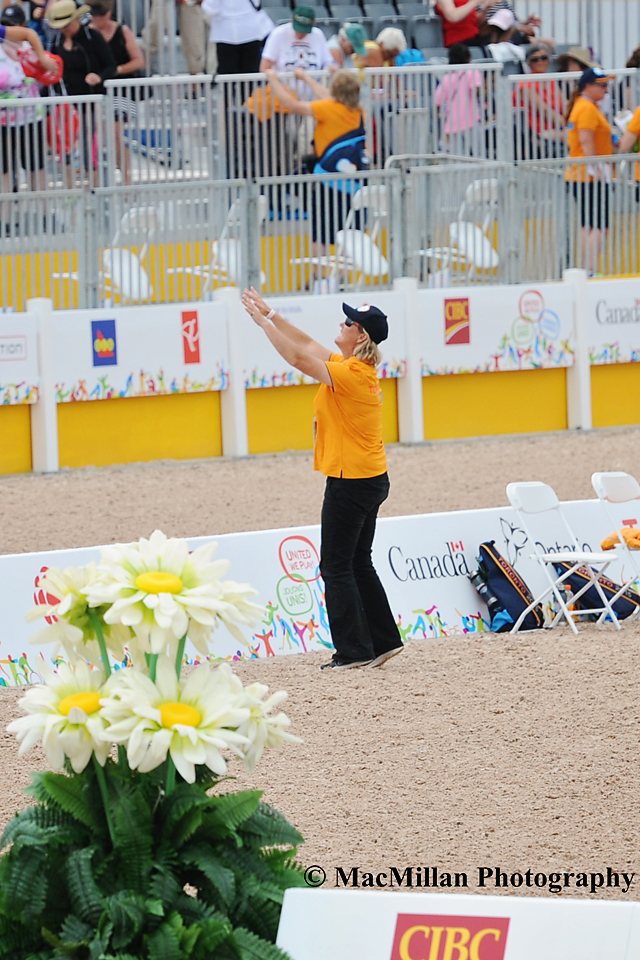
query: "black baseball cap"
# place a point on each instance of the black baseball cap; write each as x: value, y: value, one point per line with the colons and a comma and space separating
x: 13, y: 16
x: 371, y: 319
x: 594, y: 75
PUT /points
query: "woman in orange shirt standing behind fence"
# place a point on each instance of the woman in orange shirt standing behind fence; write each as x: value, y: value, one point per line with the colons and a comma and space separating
x: 589, y: 135
x: 349, y: 451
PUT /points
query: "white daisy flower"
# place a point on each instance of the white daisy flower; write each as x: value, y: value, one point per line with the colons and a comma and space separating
x: 72, y: 629
x: 64, y: 713
x: 162, y: 592
x: 261, y: 730
x: 193, y: 719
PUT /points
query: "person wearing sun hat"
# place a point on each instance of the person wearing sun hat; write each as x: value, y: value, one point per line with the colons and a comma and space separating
x: 349, y: 451
x: 350, y: 40
x: 298, y: 44
x: 575, y: 60
x: 86, y: 55
x: 589, y: 135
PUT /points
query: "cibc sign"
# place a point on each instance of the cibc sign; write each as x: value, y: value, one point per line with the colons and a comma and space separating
x: 436, y: 937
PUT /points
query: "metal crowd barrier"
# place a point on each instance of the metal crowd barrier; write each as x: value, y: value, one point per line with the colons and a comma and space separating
x: 407, y: 110
x: 160, y: 129
x: 52, y: 143
x: 538, y: 104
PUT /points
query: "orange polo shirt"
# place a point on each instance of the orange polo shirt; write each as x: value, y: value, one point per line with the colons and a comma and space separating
x: 634, y: 127
x: 585, y: 115
x: 349, y: 421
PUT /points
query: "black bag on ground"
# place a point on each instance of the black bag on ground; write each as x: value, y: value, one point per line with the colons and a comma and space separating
x: 625, y: 606
x: 509, y: 587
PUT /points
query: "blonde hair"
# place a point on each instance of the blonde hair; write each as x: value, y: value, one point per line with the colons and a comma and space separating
x: 345, y: 88
x: 368, y: 351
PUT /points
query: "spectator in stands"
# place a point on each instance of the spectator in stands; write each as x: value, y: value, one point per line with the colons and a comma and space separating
x: 589, y: 135
x: 239, y: 29
x: 575, y: 60
x: 542, y: 125
x: 525, y: 30
x: 19, y: 33
x: 129, y: 64
x: 382, y: 51
x: 297, y: 45
x: 124, y: 46
x: 339, y: 145
x: 460, y: 20
x: 349, y: 39
x: 502, y: 46
x: 634, y: 59
x: 458, y: 100
x: 86, y: 55
x: 22, y: 142
x: 191, y: 26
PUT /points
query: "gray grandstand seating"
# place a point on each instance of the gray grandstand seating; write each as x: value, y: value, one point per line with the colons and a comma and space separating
x: 279, y: 13
x: 340, y: 3
x: 383, y: 15
x: 511, y: 68
x: 328, y: 25
x: 322, y: 12
x: 414, y: 9
x: 269, y: 4
x: 427, y: 31
x: 435, y: 54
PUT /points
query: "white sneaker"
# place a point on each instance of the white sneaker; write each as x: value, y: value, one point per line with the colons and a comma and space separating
x: 386, y: 656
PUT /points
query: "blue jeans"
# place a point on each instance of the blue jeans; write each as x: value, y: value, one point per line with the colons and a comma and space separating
x: 362, y: 624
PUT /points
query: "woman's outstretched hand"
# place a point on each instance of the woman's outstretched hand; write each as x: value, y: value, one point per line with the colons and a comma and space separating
x: 255, y: 306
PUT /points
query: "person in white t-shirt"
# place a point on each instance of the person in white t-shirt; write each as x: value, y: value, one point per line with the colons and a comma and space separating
x: 238, y: 28
x: 297, y: 45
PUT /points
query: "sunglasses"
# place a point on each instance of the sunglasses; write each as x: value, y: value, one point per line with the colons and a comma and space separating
x: 541, y: 59
x: 348, y: 322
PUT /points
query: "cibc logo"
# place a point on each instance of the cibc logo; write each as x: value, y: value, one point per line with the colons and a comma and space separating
x: 457, y: 327
x: 435, y: 937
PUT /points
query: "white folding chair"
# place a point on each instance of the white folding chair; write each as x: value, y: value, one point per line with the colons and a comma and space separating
x: 357, y: 251
x: 620, y: 487
x: 469, y: 244
x: 535, y: 498
x: 226, y: 252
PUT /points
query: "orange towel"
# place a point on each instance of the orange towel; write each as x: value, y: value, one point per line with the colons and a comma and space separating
x: 631, y: 536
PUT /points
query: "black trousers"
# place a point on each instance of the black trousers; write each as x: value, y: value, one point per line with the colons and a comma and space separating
x: 361, y: 621
x: 239, y: 57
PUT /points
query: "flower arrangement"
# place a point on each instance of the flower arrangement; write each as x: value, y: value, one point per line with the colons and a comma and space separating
x: 126, y: 853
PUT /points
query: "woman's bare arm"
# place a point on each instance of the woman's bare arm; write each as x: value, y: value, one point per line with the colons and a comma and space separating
x: 293, y: 353
x: 298, y: 337
x: 285, y: 96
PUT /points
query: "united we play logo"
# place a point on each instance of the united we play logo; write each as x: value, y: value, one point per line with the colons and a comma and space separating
x: 190, y: 336
x: 435, y: 937
x: 103, y: 343
x: 456, y: 321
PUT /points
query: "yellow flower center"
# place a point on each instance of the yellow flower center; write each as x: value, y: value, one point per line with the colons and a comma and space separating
x: 158, y: 582
x: 179, y: 713
x: 89, y: 702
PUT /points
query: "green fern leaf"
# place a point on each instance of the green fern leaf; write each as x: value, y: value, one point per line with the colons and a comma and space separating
x: 232, y: 809
x: 69, y: 794
x: 86, y: 899
x: 164, y: 887
x: 254, y: 948
x: 220, y: 876
x: 164, y: 944
x: 75, y: 931
x: 270, y: 828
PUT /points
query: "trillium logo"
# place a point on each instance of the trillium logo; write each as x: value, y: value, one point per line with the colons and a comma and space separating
x: 103, y: 337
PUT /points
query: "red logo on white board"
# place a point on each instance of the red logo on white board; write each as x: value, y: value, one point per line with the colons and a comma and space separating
x: 190, y: 336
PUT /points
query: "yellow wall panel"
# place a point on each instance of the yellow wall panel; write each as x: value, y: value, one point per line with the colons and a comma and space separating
x: 15, y: 438
x: 281, y: 418
x: 176, y: 426
x: 615, y: 394
x: 481, y: 404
